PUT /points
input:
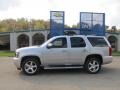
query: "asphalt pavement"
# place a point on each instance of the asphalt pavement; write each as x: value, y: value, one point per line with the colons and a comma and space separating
x: 74, y: 79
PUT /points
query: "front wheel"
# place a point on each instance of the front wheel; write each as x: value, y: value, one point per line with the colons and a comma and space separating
x: 30, y: 66
x: 93, y: 65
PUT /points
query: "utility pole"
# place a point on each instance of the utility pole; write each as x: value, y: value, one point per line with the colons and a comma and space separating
x: 30, y: 32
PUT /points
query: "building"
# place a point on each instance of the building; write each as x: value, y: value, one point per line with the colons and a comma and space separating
x: 13, y: 40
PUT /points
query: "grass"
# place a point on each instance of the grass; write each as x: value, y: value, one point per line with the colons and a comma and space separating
x: 11, y: 54
x: 116, y: 53
x: 6, y: 54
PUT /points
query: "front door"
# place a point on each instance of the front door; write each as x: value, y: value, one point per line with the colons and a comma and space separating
x: 57, y: 54
x: 77, y: 51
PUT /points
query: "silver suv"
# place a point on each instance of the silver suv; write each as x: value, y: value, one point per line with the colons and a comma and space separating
x: 89, y: 52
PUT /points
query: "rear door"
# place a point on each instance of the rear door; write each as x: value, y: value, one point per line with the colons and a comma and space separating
x: 77, y: 50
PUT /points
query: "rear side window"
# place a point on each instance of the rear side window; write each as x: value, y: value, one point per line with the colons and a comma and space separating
x: 77, y: 42
x: 98, y: 41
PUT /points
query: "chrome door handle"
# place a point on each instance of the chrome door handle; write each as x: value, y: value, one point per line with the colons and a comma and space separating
x: 84, y: 50
x: 64, y: 51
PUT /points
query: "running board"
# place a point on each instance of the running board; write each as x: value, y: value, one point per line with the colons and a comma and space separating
x: 63, y: 67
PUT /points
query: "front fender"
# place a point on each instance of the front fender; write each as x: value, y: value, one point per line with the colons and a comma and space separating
x: 26, y: 54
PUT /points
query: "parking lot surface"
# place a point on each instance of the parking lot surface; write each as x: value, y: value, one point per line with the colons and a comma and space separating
x: 75, y: 79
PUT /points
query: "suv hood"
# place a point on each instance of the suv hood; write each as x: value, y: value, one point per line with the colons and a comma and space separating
x: 28, y: 48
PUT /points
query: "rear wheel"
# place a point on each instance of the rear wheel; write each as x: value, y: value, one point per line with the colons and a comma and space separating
x: 93, y: 65
x: 30, y: 66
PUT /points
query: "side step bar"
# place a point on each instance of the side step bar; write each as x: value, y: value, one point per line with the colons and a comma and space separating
x: 63, y: 67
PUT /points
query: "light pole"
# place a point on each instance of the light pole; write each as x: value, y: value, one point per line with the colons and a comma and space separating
x: 30, y: 32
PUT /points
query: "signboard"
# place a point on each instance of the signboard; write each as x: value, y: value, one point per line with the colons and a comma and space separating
x: 56, y: 23
x: 92, y: 23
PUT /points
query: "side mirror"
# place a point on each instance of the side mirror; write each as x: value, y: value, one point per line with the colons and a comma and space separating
x: 50, y: 45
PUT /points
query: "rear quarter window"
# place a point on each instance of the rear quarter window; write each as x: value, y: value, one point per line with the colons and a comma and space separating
x: 97, y: 41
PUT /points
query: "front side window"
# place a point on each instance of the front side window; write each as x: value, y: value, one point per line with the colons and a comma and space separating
x: 77, y: 42
x: 59, y: 43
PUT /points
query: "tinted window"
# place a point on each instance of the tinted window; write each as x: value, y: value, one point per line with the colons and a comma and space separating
x: 77, y: 42
x: 60, y: 43
x: 97, y: 41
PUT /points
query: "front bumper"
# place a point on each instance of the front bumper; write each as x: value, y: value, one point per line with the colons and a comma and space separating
x: 107, y: 59
x: 17, y: 63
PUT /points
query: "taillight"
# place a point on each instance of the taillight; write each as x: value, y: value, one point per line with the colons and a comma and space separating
x: 110, y: 51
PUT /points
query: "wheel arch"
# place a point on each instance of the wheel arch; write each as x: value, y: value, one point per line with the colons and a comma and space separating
x: 30, y: 56
x: 94, y: 55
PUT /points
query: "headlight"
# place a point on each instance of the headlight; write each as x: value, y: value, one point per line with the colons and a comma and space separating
x: 17, y: 54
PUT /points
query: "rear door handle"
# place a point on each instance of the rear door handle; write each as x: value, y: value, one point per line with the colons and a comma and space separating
x: 84, y: 50
x: 64, y: 51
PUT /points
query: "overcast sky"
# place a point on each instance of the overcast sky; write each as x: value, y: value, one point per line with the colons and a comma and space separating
x: 40, y: 9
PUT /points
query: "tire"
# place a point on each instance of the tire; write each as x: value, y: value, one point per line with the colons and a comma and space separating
x: 30, y: 66
x: 92, y: 65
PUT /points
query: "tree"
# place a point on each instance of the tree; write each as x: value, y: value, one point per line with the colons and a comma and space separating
x: 39, y: 24
x: 66, y: 26
x: 47, y: 24
x: 76, y: 26
x: 9, y: 25
x: 22, y: 24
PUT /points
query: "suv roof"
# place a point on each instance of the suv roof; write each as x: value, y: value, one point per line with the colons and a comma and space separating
x: 79, y: 36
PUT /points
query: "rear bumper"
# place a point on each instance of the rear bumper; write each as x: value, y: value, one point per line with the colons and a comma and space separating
x: 107, y: 59
x: 17, y: 63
